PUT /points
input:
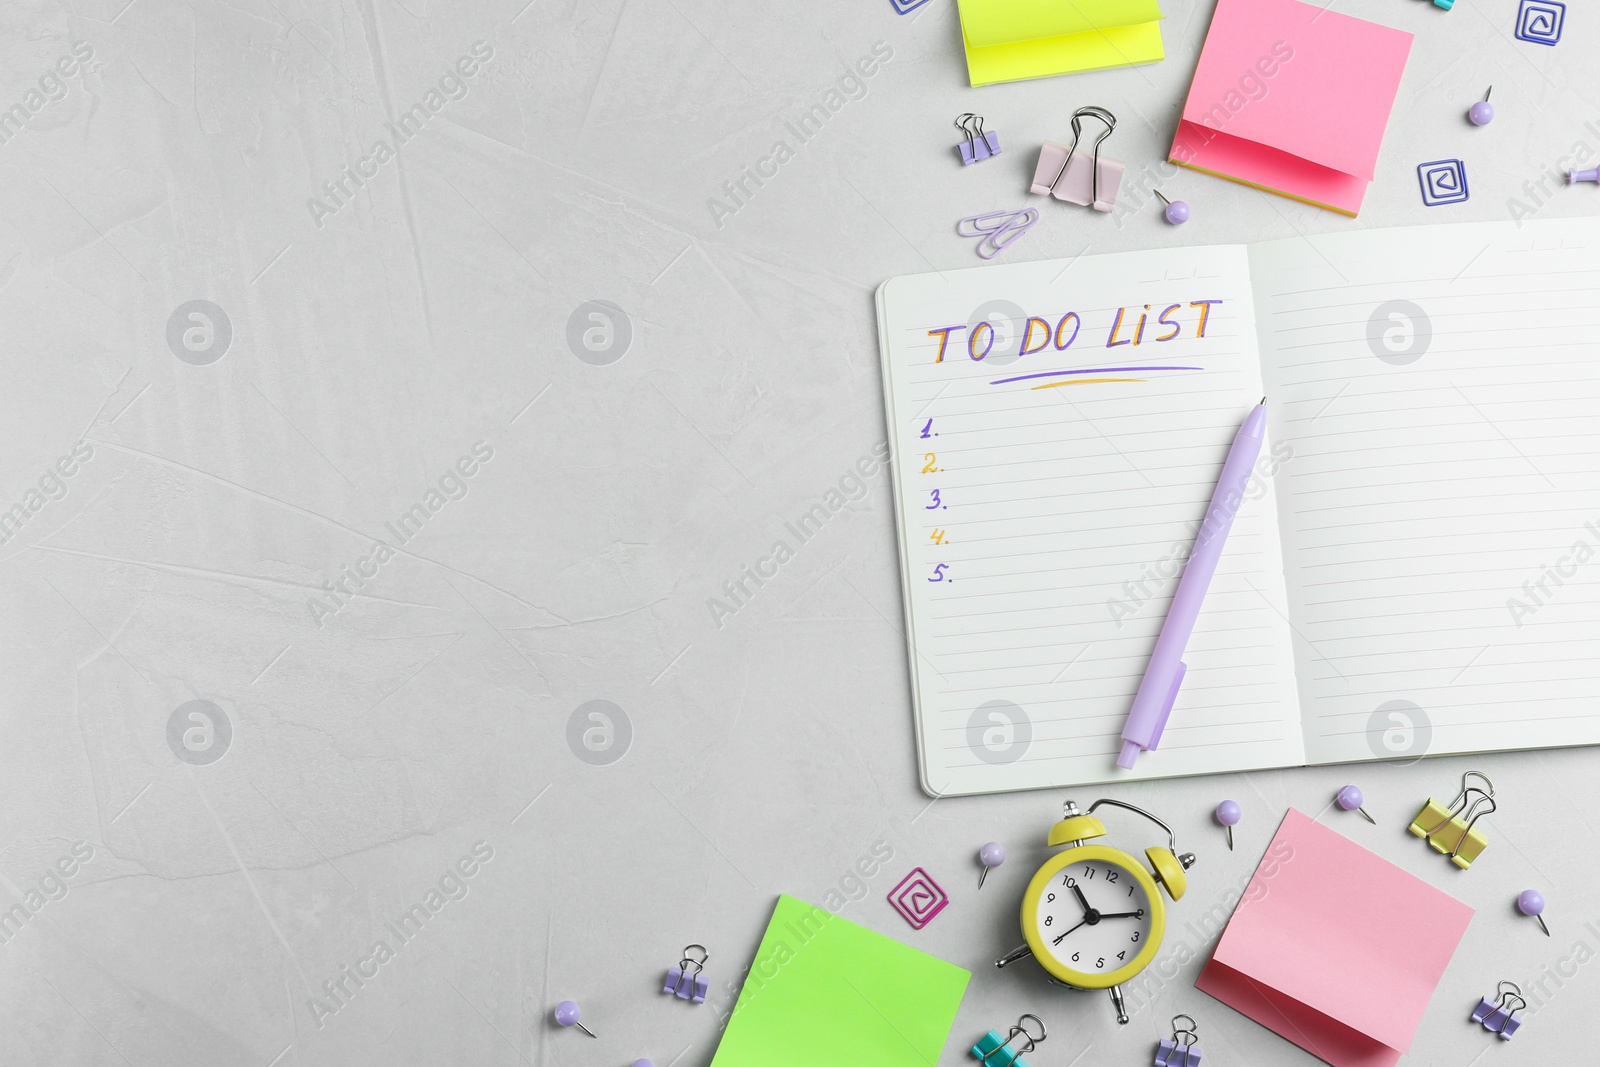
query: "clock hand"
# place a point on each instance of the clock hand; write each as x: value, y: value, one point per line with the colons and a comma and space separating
x: 1063, y: 937
x: 1123, y: 914
x: 1082, y: 899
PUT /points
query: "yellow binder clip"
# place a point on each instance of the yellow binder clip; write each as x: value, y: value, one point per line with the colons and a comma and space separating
x: 1449, y: 830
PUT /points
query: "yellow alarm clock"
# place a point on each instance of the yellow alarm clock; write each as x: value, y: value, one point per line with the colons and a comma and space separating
x: 1092, y: 915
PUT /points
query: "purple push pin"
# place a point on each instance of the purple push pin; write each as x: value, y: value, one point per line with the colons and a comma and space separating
x: 1228, y: 815
x: 567, y: 1015
x: 1177, y: 211
x: 1591, y: 175
x: 1349, y: 798
x: 1482, y: 113
x: 1531, y: 902
x: 991, y: 855
x: 643, y: 1063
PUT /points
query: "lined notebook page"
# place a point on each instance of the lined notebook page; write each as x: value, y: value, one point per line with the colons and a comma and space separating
x: 1440, y: 389
x: 1040, y: 496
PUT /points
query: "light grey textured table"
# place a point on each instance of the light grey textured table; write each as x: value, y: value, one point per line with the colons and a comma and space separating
x: 418, y: 338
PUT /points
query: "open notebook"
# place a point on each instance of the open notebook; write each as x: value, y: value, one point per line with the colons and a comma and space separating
x: 1416, y: 570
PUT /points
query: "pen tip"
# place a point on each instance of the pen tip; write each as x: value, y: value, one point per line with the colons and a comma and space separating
x: 1263, y: 402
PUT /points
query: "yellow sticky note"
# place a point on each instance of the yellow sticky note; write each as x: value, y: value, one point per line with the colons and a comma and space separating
x: 1010, y: 40
x: 825, y: 991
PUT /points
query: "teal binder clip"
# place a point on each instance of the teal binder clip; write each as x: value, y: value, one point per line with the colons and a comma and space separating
x: 991, y: 1051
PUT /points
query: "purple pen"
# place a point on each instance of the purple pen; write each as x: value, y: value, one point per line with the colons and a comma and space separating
x: 1164, y: 673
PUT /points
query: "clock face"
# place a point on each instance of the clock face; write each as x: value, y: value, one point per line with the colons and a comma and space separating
x: 1094, y: 916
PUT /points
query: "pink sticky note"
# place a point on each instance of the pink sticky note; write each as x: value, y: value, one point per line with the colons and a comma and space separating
x: 1292, y: 99
x: 1335, y: 948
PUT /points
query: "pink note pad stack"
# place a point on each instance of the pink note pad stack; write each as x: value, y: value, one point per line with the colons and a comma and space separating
x: 1292, y: 99
x: 1335, y: 948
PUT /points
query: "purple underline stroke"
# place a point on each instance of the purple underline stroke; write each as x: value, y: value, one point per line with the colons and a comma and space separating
x: 1085, y: 370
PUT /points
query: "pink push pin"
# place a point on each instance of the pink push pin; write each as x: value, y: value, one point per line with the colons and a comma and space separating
x: 1228, y: 814
x: 567, y: 1015
x: 1531, y: 902
x: 991, y: 856
x: 1349, y: 798
x: 1590, y: 175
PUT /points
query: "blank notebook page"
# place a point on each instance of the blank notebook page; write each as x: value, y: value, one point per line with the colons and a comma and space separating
x: 1037, y: 499
x: 1440, y: 389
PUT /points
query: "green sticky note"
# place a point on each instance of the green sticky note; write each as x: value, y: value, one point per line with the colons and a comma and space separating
x: 1009, y: 40
x: 823, y: 991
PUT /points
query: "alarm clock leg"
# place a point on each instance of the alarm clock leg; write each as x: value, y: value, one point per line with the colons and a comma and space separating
x: 1014, y: 955
x: 1119, y: 1004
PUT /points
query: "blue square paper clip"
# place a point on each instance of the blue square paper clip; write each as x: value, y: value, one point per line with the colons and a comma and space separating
x: 978, y: 146
x: 1541, y: 21
x: 1444, y: 181
x: 685, y: 980
x: 991, y: 1051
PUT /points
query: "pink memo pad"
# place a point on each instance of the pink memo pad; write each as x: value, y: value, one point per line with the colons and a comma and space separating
x: 1292, y: 98
x: 1335, y: 948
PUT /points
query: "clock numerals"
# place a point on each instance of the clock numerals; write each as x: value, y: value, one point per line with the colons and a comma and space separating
x: 1099, y: 926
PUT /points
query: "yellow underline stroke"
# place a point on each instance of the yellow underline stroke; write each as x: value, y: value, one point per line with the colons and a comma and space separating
x: 1084, y: 381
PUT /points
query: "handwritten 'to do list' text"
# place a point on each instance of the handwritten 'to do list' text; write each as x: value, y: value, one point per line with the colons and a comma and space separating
x: 1130, y: 327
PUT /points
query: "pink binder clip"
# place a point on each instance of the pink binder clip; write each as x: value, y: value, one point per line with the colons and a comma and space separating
x: 1093, y: 182
x: 997, y: 229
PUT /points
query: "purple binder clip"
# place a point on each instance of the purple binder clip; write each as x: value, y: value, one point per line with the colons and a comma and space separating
x: 997, y: 229
x: 1182, y: 1050
x: 978, y: 146
x: 685, y: 980
x: 1499, y: 1016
